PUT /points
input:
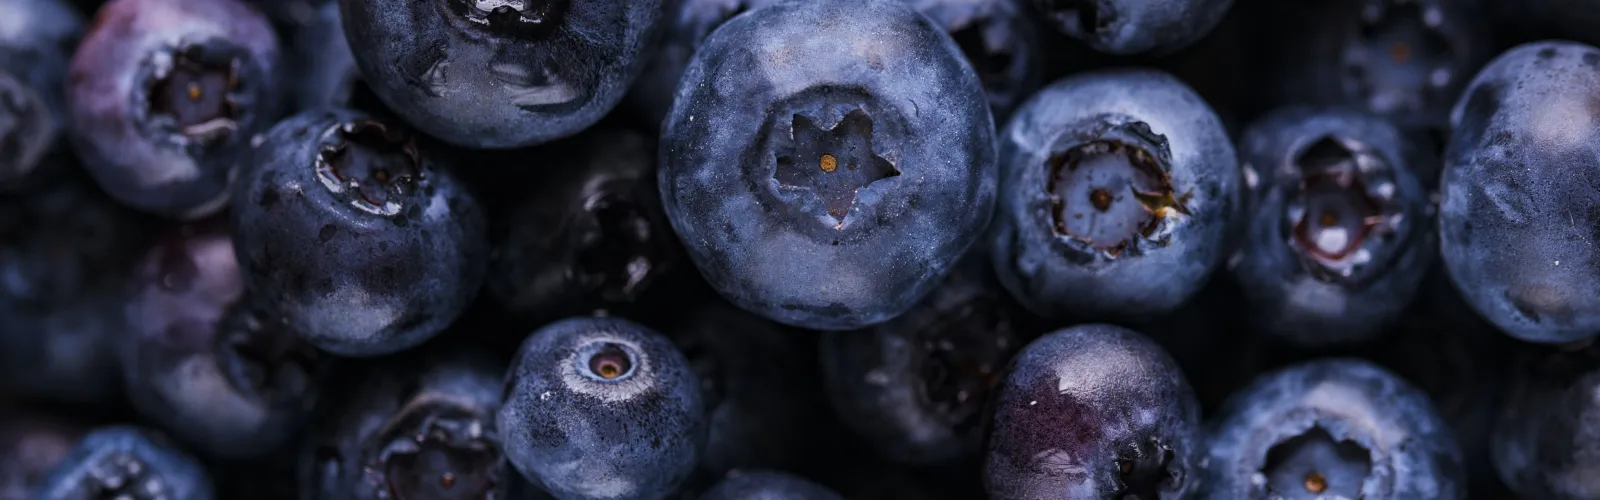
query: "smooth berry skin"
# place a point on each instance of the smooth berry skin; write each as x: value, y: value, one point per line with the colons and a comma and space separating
x: 1514, y: 208
x: 1406, y: 61
x: 915, y: 386
x: 580, y: 435
x: 416, y: 425
x: 1103, y: 274
x: 144, y: 154
x: 768, y: 485
x: 1300, y: 292
x: 31, y: 445
x: 1134, y: 27
x: 1093, y: 411
x: 1391, y: 441
x: 478, y: 83
x: 1545, y: 440
x: 126, y: 462
x: 66, y: 250
x: 748, y: 161
x: 590, y: 233
x: 202, y: 361
x: 36, y: 42
x: 367, y: 251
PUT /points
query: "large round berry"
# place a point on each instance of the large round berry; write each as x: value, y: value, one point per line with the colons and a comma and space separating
x: 827, y: 162
x: 1518, y: 205
x: 357, y: 233
x: 166, y: 94
x: 501, y: 73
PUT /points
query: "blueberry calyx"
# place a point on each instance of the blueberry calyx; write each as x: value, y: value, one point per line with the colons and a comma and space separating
x: 1398, y: 39
x: 1336, y: 212
x: 834, y: 163
x: 609, y: 362
x: 123, y: 475
x: 377, y: 163
x: 24, y: 126
x: 1315, y: 463
x: 621, y: 251
x: 1084, y: 18
x: 1145, y: 468
x: 195, y: 91
x: 962, y: 362
x: 520, y: 17
x: 438, y: 450
x: 270, y: 365
x: 1113, y: 193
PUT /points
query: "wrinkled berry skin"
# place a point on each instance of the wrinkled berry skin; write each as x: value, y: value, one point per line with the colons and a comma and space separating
x: 125, y: 462
x: 1398, y: 445
x: 1314, y: 284
x: 1092, y: 411
x: 1130, y: 27
x: 36, y: 42
x: 1546, y: 441
x: 416, y: 425
x: 768, y: 485
x: 915, y: 386
x: 590, y: 233
x: 65, y: 254
x: 1125, y: 232
x: 1515, y: 210
x: 1404, y: 60
x: 151, y: 140
x: 30, y: 446
x: 602, y: 408
x: 822, y: 187
x: 485, y: 81
x: 201, y: 361
x: 360, y: 236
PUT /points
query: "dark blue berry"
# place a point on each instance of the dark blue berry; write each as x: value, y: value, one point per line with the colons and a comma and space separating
x: 357, y: 233
x: 125, y: 462
x: 1546, y: 439
x: 827, y: 162
x: 602, y: 408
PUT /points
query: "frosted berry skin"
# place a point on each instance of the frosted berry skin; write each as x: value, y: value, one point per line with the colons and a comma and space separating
x: 1332, y: 428
x: 1341, y: 232
x: 496, y: 74
x: 1517, y: 210
x: 602, y: 408
x: 36, y: 42
x: 1090, y: 412
x: 165, y: 94
x: 826, y: 163
x: 357, y: 233
x: 1118, y: 191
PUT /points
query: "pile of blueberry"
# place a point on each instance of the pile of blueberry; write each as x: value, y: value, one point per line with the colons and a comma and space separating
x: 799, y: 249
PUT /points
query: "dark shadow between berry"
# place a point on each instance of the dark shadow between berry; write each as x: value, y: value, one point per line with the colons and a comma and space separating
x: 963, y: 358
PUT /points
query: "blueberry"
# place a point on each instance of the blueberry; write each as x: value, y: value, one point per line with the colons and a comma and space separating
x: 1129, y: 27
x: 1092, y: 411
x: 357, y: 232
x: 417, y: 425
x: 202, y: 360
x: 1516, y: 208
x: 1331, y: 428
x: 1001, y: 41
x: 1341, y: 232
x: 758, y: 383
x: 590, y: 232
x: 768, y: 485
x: 65, y: 255
x: 1404, y: 60
x: 915, y: 386
x: 599, y: 407
x: 166, y: 94
x: 36, y: 42
x: 1116, y: 191
x: 30, y: 446
x: 1545, y: 439
x: 501, y: 73
x: 125, y: 462
x: 827, y: 162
